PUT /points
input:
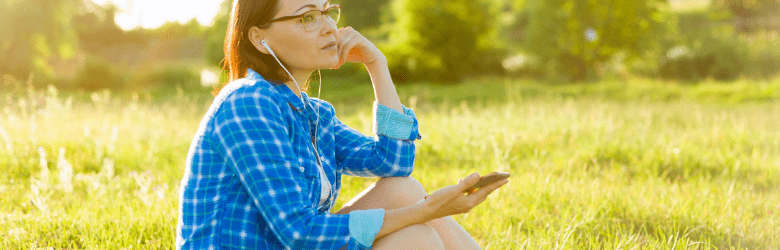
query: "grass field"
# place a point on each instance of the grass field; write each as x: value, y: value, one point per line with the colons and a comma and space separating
x: 638, y: 165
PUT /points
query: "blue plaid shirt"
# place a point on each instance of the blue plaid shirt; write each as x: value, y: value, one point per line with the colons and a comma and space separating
x: 252, y: 180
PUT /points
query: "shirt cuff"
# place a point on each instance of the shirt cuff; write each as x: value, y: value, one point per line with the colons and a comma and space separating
x: 391, y: 123
x: 365, y: 224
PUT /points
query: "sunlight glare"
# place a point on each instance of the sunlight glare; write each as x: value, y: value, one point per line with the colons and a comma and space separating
x: 154, y: 13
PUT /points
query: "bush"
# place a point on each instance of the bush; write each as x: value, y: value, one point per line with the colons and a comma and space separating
x: 763, y: 55
x: 97, y: 73
x: 574, y: 38
x: 215, y: 35
x: 363, y: 15
x: 713, y: 55
x: 441, y: 42
x: 173, y: 77
x: 522, y: 65
x: 489, y: 60
x: 721, y: 54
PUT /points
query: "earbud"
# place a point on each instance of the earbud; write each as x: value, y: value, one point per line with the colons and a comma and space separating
x: 285, y: 68
x: 268, y: 48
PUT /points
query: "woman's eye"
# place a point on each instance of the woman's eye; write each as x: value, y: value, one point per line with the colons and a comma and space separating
x: 308, y: 18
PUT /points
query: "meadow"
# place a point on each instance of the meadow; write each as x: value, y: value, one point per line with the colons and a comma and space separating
x: 621, y: 164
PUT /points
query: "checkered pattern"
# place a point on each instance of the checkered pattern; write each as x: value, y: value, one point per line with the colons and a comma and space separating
x: 251, y: 178
x: 394, y: 124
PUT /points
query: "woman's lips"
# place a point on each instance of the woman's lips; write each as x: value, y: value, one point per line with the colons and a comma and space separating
x: 330, y: 46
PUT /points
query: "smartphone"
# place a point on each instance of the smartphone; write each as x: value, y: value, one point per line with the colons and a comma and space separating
x: 487, y: 179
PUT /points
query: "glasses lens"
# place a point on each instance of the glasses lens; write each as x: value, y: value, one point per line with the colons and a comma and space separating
x: 311, y: 20
x: 334, y: 13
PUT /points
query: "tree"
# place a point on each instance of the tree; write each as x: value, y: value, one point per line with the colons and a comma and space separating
x: 215, y: 35
x: 33, y: 31
x: 363, y: 15
x: 434, y: 41
x: 97, y: 30
x: 747, y: 9
x: 575, y: 37
x: 751, y: 15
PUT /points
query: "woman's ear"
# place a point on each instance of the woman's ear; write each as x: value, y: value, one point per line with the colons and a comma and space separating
x: 256, y: 37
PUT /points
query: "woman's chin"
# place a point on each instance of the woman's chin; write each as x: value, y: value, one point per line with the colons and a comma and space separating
x: 333, y: 64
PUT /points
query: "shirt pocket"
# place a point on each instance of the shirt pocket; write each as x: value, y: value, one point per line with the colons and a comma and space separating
x: 311, y: 176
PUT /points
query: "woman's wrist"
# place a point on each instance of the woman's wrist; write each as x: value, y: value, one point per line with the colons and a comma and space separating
x: 384, y: 90
x: 379, y: 64
x: 398, y: 218
x: 424, y: 210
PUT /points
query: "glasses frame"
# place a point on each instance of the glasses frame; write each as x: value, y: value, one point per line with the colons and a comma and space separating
x: 323, y: 13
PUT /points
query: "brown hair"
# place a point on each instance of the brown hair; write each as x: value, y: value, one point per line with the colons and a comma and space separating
x: 240, y: 53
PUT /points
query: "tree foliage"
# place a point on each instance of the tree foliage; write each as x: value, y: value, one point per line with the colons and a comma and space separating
x: 364, y: 15
x: 33, y: 31
x: 575, y: 37
x: 750, y: 8
x: 360, y: 14
x: 97, y: 31
x: 215, y: 36
x: 439, y: 41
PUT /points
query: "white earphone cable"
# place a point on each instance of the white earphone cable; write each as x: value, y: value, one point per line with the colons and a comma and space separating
x: 285, y: 69
x: 317, y: 123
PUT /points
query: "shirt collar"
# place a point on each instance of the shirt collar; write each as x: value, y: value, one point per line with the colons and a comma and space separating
x: 293, y: 100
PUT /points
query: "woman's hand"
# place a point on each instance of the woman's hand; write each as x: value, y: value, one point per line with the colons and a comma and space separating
x: 354, y: 48
x: 453, y: 200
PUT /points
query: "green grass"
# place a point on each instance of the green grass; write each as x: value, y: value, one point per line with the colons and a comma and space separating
x: 637, y: 165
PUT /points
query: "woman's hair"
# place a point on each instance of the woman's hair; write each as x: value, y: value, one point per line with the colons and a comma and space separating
x: 240, y: 53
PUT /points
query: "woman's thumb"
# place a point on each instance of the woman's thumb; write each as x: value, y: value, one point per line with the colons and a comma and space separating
x: 469, y: 181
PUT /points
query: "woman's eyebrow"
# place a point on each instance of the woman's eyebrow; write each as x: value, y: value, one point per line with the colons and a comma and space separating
x: 313, y: 6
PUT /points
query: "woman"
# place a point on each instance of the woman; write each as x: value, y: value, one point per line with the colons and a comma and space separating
x: 264, y: 168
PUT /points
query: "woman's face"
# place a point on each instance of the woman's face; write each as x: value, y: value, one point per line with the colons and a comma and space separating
x: 298, y: 48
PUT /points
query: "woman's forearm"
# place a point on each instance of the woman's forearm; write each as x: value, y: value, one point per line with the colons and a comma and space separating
x: 384, y: 89
x: 398, y: 218
x: 385, y: 94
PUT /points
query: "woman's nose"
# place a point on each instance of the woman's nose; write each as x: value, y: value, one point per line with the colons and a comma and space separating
x: 328, y: 25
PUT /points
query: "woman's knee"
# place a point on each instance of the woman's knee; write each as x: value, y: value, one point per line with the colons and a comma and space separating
x: 418, y: 236
x: 404, y: 191
x: 387, y: 193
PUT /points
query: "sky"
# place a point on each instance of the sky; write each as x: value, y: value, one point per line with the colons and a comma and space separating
x: 153, y: 13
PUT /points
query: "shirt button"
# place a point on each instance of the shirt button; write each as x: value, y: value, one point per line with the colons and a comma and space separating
x: 322, y: 158
x: 302, y: 169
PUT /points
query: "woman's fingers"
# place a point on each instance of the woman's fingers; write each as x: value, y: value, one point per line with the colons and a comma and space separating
x: 352, y: 40
x: 346, y: 43
x: 345, y: 34
x: 344, y: 50
x: 468, y: 182
x: 342, y: 30
x: 450, y: 200
x: 340, y: 46
x: 348, y: 48
x: 353, y: 47
x: 482, y: 193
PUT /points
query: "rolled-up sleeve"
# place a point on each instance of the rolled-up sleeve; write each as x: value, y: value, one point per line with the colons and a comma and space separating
x: 250, y: 133
x: 390, y: 153
x: 391, y: 123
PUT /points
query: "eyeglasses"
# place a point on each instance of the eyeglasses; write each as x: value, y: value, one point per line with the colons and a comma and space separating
x: 312, y: 20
